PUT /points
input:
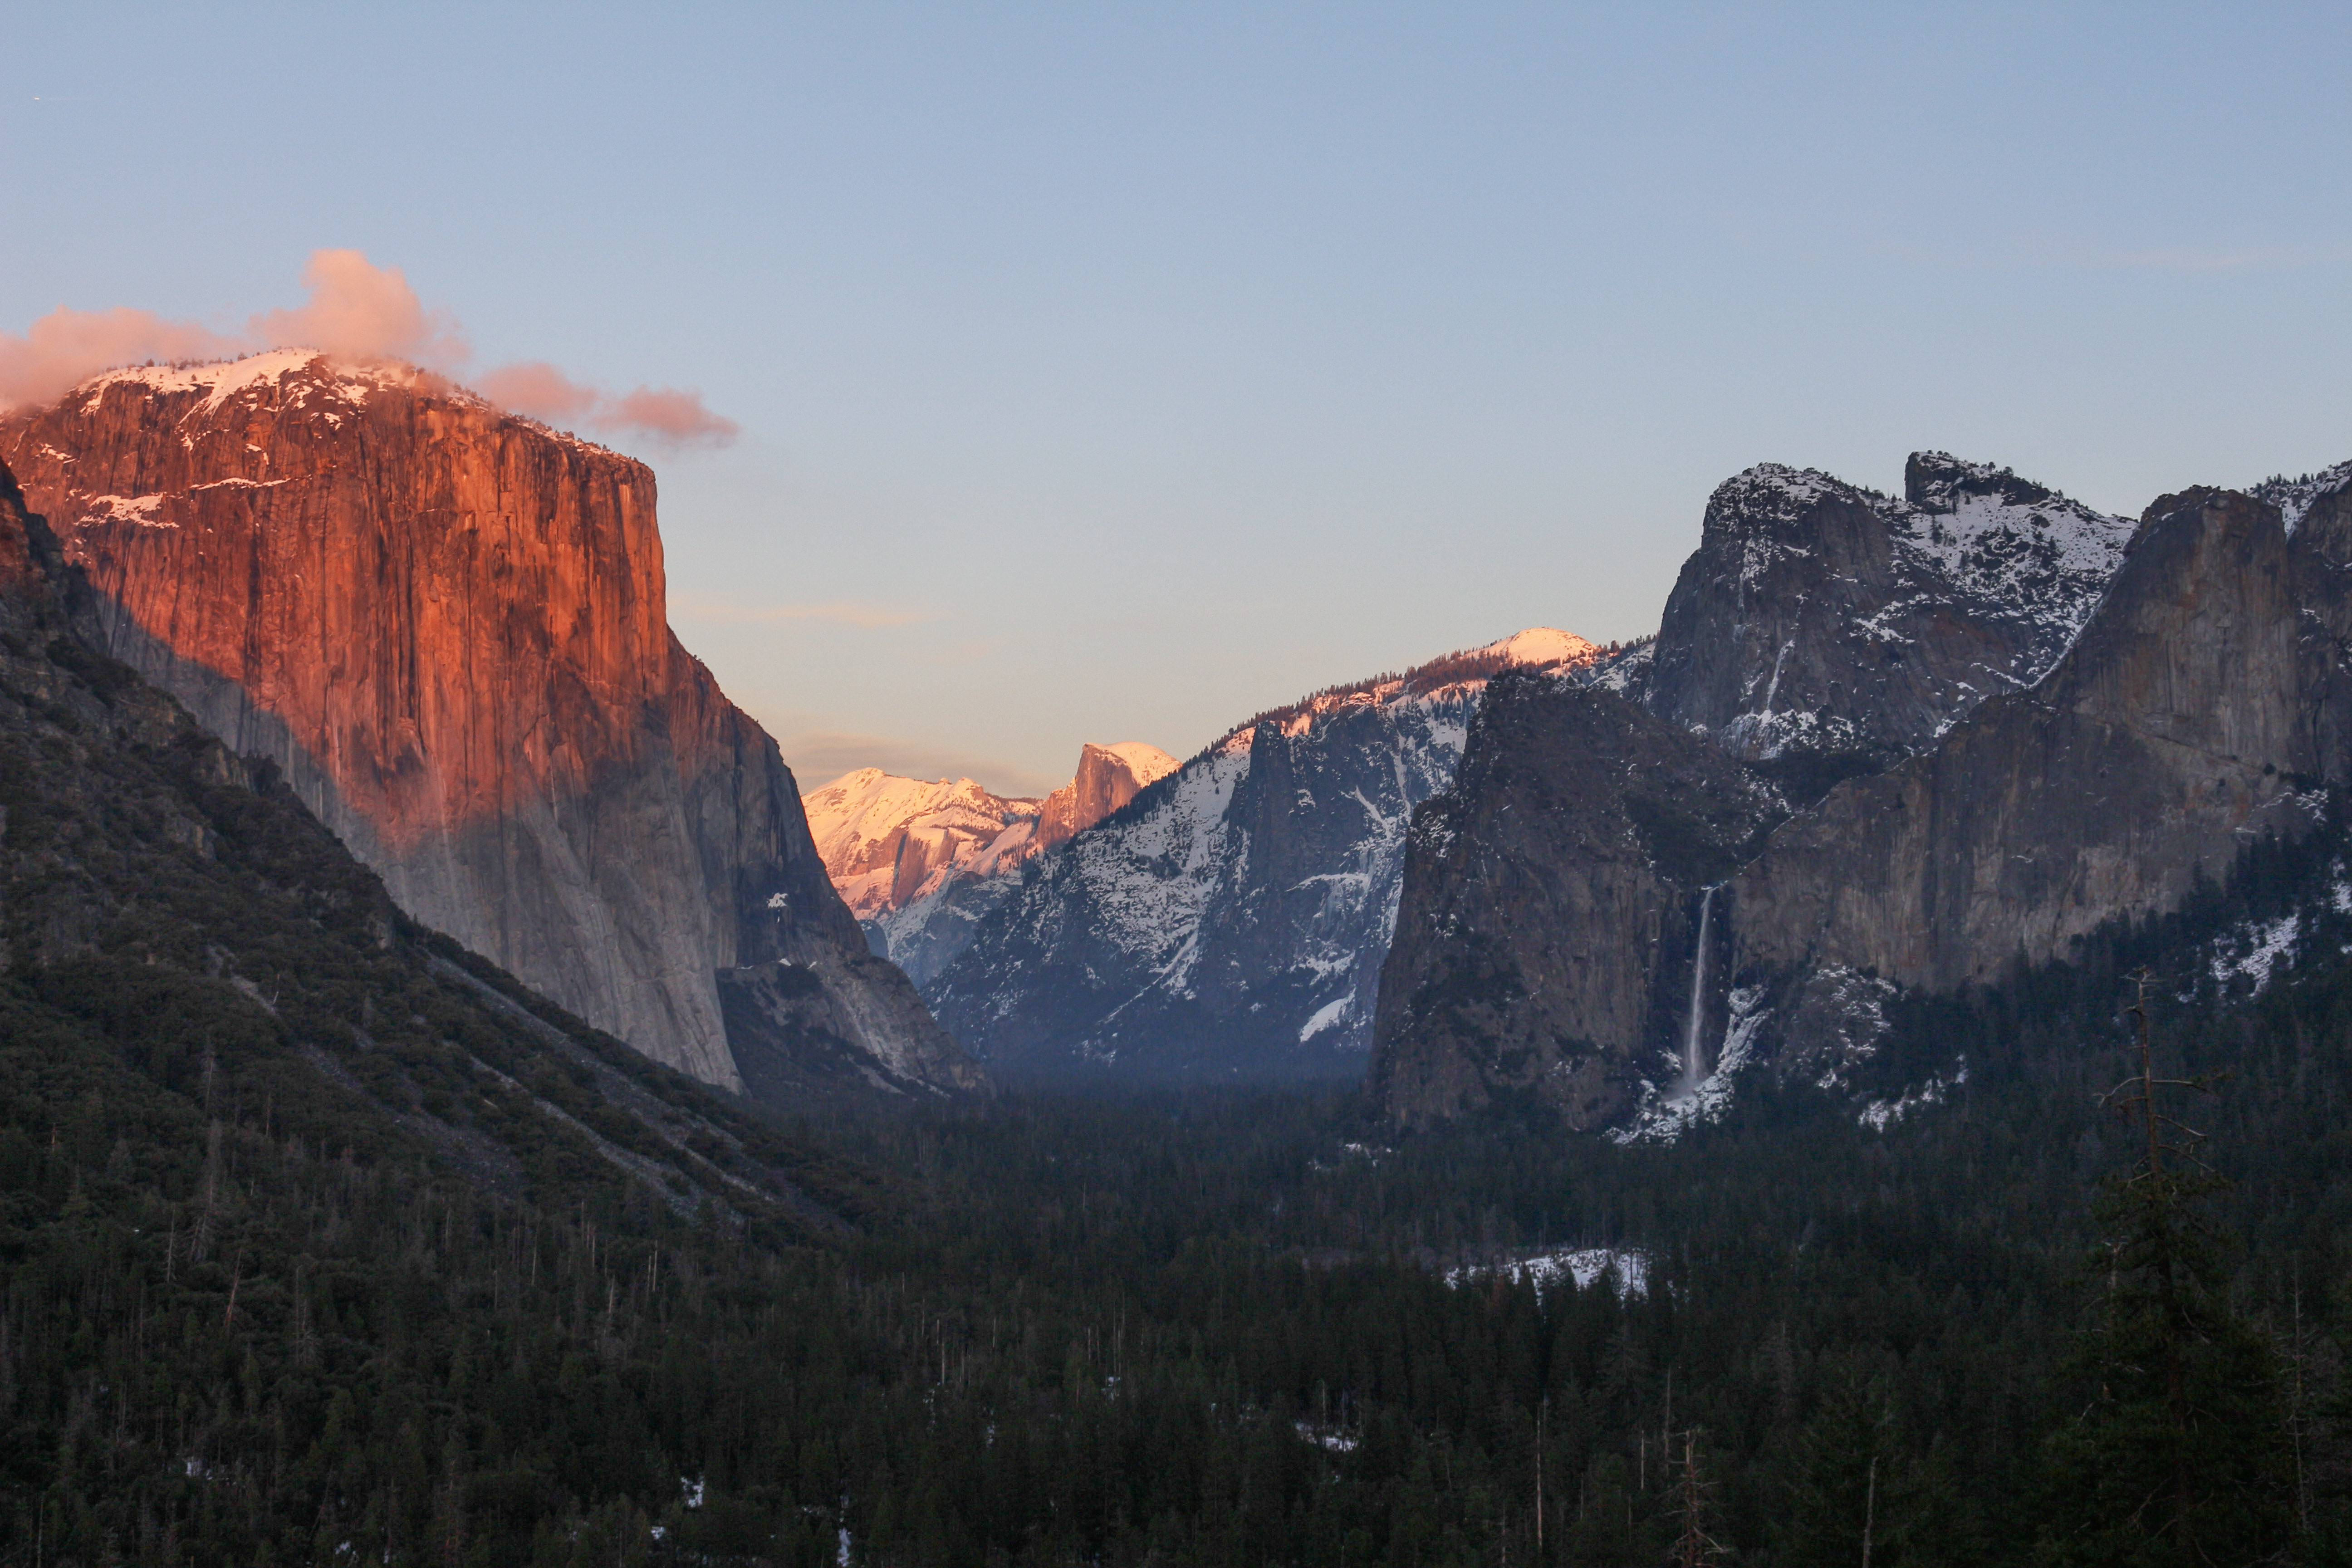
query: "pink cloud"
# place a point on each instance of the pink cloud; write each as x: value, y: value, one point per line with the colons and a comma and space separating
x: 356, y: 310
x: 673, y: 415
x: 543, y: 392
x: 67, y: 347
x: 360, y: 310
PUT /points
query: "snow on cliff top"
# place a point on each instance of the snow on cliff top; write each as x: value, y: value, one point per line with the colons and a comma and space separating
x: 2002, y: 545
x: 1989, y: 533
x: 349, y: 382
x: 1146, y: 761
x: 1448, y: 676
x: 225, y: 379
x: 1542, y: 646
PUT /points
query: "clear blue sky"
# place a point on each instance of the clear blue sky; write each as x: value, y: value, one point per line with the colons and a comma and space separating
x: 1109, y: 371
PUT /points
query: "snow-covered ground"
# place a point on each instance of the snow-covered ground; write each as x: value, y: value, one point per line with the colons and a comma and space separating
x: 1627, y: 1269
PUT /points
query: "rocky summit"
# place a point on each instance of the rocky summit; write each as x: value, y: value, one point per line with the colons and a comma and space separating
x: 1879, y: 749
x: 444, y: 625
x: 1824, y: 629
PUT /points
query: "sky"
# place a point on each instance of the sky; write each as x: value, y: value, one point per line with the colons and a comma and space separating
x: 1039, y: 374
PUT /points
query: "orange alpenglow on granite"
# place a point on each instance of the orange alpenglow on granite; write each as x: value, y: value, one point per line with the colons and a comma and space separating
x: 448, y: 624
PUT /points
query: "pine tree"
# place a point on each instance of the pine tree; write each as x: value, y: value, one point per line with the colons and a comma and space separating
x: 2179, y: 1454
x: 1844, y: 1508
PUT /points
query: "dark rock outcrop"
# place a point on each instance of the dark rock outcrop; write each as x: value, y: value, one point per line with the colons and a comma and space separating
x: 1552, y: 897
x: 2176, y: 730
x: 1826, y: 630
x: 446, y: 625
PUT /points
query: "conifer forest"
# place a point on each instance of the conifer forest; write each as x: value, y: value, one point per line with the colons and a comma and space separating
x: 324, y: 1242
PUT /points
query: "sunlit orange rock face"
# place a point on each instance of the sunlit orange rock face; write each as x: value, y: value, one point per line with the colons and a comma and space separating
x: 1108, y: 778
x: 446, y: 624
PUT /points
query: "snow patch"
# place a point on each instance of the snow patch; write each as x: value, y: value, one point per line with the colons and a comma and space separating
x: 1881, y: 1114
x: 140, y: 510
x: 1147, y: 763
x: 1626, y: 1270
x: 1326, y: 1016
x: 1664, y: 1114
x: 2294, y: 497
x: 1337, y: 1439
x: 2252, y: 951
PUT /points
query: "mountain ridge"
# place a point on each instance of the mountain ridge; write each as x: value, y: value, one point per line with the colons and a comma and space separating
x: 1226, y: 921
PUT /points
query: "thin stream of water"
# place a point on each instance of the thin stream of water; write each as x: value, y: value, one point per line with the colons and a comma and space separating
x: 1691, y: 1073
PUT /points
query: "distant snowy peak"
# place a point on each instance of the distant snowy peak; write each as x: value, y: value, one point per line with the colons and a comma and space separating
x: 886, y: 840
x: 1543, y: 648
x: 889, y: 843
x: 1147, y: 763
x: 2295, y: 497
x: 1108, y: 778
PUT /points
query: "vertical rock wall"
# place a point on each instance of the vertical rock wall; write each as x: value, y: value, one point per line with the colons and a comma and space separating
x: 447, y: 626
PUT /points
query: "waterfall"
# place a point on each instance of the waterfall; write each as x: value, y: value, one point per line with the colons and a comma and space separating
x: 1691, y: 1073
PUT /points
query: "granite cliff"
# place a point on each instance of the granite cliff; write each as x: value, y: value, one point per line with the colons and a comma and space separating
x: 1107, y: 779
x: 181, y: 941
x: 1824, y: 630
x: 1550, y: 903
x: 445, y: 625
x: 2125, y: 735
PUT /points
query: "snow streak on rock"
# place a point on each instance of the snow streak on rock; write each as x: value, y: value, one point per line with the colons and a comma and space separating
x: 2294, y: 497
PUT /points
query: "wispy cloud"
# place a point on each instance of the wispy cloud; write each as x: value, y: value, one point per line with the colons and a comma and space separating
x: 66, y: 346
x: 543, y: 392
x: 360, y: 310
x: 356, y: 310
x: 972, y: 650
x: 711, y: 612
